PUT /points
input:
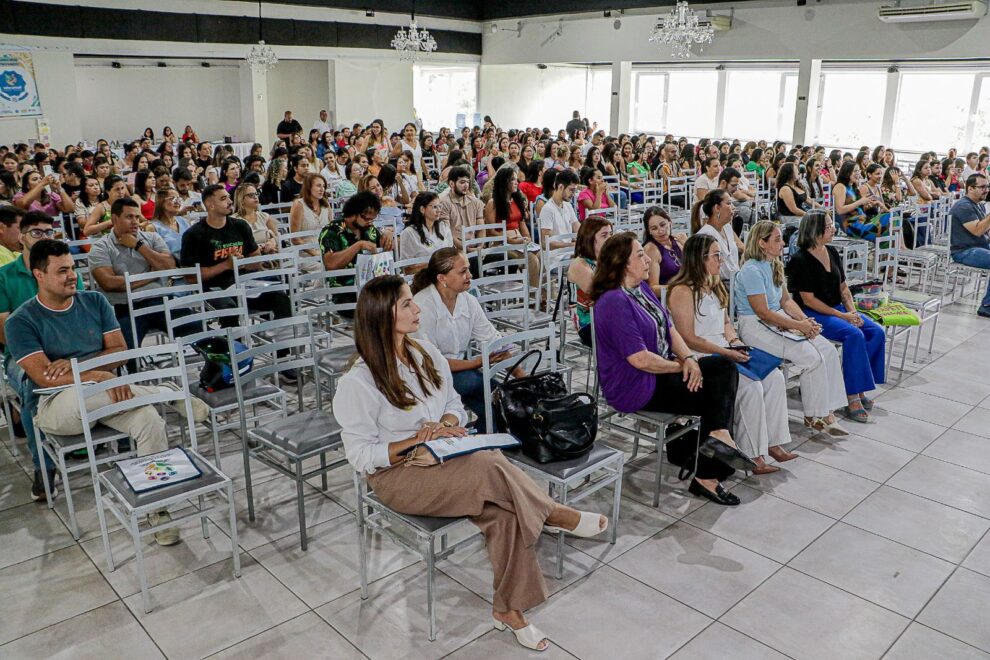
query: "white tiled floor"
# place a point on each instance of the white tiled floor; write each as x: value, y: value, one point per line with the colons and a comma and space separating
x: 870, y: 546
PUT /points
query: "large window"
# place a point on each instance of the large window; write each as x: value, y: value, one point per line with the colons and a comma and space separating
x: 443, y: 94
x: 932, y: 109
x: 680, y: 102
x: 600, y: 97
x: 760, y: 104
x: 850, y: 110
x: 981, y: 120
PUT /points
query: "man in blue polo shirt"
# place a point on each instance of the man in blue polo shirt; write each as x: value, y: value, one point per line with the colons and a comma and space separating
x: 969, y: 243
x: 17, y: 286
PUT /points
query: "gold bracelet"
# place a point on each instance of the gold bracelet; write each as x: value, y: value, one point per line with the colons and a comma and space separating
x: 446, y: 424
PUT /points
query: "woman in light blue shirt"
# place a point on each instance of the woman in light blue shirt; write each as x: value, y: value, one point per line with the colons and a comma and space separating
x: 166, y: 220
x: 771, y: 321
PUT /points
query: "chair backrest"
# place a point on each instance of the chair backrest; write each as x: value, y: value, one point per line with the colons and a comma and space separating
x: 407, y: 267
x: 145, y: 301
x: 173, y: 370
x: 269, y: 272
x: 199, y: 311
x: 885, y: 259
x: 476, y: 236
x: 80, y: 259
x: 855, y: 260
x: 525, y: 341
x: 291, y: 347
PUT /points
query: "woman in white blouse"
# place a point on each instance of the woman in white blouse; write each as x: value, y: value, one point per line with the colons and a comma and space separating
x: 425, y: 232
x: 451, y: 318
x: 698, y: 300
x: 397, y: 395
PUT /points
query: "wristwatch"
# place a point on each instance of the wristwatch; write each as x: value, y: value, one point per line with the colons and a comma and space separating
x: 137, y: 246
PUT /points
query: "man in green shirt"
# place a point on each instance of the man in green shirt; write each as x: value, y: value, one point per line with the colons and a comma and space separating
x: 341, y: 241
x: 17, y: 286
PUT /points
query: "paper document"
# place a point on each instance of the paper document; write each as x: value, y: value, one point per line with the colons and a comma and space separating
x: 58, y: 388
x: 444, y: 448
x: 789, y: 334
x: 157, y: 470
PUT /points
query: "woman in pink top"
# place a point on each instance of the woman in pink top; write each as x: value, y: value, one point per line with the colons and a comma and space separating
x: 595, y: 194
x: 43, y: 193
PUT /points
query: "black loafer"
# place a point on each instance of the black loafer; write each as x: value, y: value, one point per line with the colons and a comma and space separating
x: 715, y: 448
x: 720, y: 496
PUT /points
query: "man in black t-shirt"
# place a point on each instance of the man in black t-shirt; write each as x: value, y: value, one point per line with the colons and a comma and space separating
x: 213, y: 243
x: 204, y: 157
x: 288, y: 126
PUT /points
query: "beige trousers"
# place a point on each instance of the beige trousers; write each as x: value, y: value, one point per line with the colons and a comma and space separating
x: 500, y: 499
x: 59, y: 414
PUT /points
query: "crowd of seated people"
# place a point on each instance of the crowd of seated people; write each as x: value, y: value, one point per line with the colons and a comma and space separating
x: 653, y: 296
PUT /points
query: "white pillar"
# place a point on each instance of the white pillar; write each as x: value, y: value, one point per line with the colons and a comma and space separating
x: 806, y: 108
x: 890, y: 105
x: 621, y: 97
x: 722, y: 82
x: 254, y: 107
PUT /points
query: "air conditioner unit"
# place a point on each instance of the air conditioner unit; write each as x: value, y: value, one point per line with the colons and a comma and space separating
x: 947, y: 11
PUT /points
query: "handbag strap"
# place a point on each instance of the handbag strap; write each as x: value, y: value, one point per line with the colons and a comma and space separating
x: 510, y: 370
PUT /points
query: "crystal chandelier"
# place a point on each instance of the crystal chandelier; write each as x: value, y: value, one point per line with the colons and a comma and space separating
x: 679, y: 29
x: 261, y: 58
x: 410, y: 43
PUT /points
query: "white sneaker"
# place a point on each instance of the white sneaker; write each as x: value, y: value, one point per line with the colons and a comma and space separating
x: 164, y: 537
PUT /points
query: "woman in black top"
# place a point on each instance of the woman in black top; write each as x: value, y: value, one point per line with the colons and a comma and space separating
x: 791, y: 197
x: 816, y: 280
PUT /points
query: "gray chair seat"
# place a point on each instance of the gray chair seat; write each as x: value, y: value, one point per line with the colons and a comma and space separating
x: 427, y: 524
x: 564, y: 469
x: 228, y: 396
x: 335, y: 359
x: 210, y: 477
x: 913, y: 298
x: 101, y: 434
x: 301, y: 433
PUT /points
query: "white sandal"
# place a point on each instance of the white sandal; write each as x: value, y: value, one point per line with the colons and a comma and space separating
x: 530, y: 636
x: 588, y: 526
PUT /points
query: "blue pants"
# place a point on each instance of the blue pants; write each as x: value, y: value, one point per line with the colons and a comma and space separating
x: 24, y: 387
x: 471, y: 386
x: 977, y: 258
x: 862, y: 350
x: 867, y: 229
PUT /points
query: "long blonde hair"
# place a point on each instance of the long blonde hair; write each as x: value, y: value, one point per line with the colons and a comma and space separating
x: 762, y: 231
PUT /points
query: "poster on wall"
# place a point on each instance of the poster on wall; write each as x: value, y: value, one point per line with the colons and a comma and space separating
x: 18, y: 91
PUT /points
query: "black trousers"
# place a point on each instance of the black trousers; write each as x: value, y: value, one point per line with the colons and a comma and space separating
x: 715, y: 403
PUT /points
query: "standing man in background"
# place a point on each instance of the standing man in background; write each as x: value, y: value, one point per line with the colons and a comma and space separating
x: 321, y: 124
x: 288, y: 126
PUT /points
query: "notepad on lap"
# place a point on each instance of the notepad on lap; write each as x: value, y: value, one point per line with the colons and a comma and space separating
x: 444, y: 448
x: 789, y: 334
x: 158, y: 470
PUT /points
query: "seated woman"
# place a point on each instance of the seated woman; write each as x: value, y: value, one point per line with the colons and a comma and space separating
x: 698, y: 300
x: 34, y: 194
x: 664, y: 249
x: 595, y: 195
x: 922, y: 182
x: 859, y: 216
x: 167, y: 222
x: 99, y: 222
x: 451, y: 318
x: 398, y: 394
x: 713, y: 216
x: 770, y: 321
x: 247, y: 207
x: 870, y: 187
x: 816, y: 279
x: 425, y: 232
x: 792, y: 199
x: 510, y: 208
x: 644, y: 364
x: 310, y: 212
x: 591, y: 236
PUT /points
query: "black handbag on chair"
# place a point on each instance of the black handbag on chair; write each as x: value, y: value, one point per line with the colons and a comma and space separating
x: 551, y: 423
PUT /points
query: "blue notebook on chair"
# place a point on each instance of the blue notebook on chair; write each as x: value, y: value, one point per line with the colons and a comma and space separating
x: 761, y: 364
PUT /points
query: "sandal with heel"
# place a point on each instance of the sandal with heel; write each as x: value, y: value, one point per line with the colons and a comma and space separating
x: 588, y: 526
x: 529, y: 637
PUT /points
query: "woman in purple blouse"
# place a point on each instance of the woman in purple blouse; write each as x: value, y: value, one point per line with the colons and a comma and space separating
x: 664, y: 249
x: 643, y: 364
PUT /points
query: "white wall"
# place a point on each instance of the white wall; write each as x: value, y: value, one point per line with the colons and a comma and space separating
x: 772, y: 29
x: 55, y: 76
x: 366, y: 89
x: 520, y: 95
x: 120, y: 103
x: 301, y: 86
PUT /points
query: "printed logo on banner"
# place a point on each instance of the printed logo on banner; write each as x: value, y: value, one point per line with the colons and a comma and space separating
x: 13, y: 87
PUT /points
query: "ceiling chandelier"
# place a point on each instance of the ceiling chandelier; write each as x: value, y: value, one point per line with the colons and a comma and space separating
x: 413, y: 41
x: 679, y: 29
x: 261, y: 58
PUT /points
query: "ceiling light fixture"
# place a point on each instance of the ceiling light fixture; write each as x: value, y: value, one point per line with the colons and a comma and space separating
x: 262, y: 58
x: 410, y: 43
x: 681, y: 28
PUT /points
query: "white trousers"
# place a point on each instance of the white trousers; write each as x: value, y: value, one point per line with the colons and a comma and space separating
x: 816, y: 360
x: 761, y: 414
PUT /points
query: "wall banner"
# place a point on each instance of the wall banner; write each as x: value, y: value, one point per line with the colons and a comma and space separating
x: 18, y: 90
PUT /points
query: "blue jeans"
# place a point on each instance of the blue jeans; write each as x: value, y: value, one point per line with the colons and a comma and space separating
x: 471, y: 386
x: 24, y: 388
x: 863, y: 349
x: 977, y: 258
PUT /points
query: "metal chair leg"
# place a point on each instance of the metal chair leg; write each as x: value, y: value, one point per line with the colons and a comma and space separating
x: 659, y: 477
x: 429, y: 590
x: 301, y: 505
x: 235, y: 550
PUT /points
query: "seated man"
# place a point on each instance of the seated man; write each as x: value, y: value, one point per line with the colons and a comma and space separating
x: 128, y: 251
x: 968, y: 240
x: 341, y: 241
x: 10, y: 233
x: 17, y: 286
x: 62, y: 323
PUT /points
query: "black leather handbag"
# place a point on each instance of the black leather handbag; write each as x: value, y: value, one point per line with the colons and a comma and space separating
x: 551, y: 423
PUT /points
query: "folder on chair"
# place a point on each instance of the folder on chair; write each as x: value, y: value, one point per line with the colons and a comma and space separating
x: 158, y: 470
